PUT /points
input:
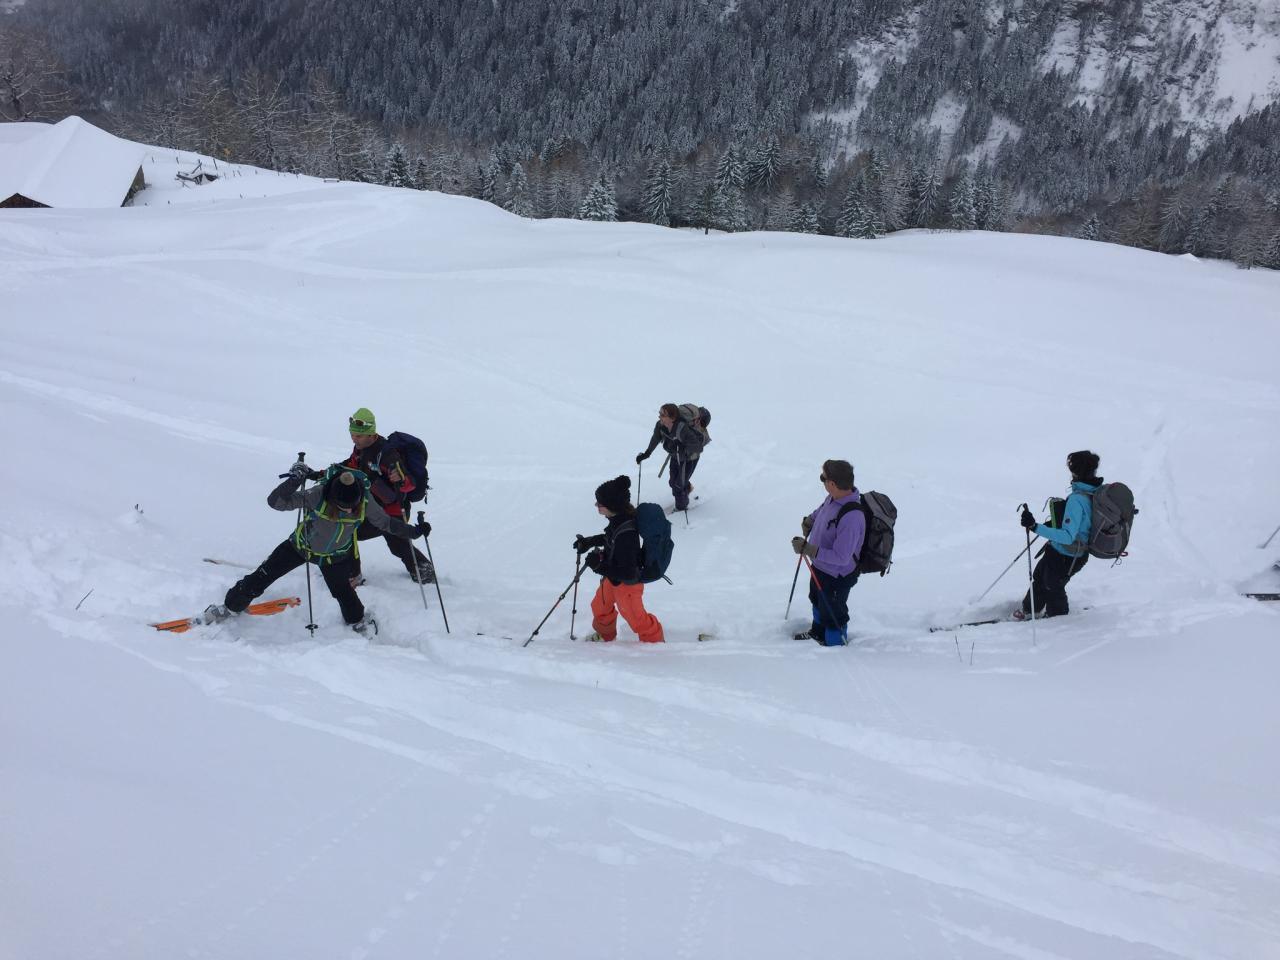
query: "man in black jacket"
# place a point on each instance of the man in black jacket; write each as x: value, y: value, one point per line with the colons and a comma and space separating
x: 390, y: 485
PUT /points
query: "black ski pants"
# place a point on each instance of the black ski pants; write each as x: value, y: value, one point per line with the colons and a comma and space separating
x: 1050, y: 580
x: 680, y: 472
x: 830, y: 600
x: 283, y: 559
x: 402, y: 549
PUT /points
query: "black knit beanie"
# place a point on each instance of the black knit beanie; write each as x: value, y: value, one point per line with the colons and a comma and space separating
x: 1083, y: 463
x: 615, y: 495
x: 344, y: 490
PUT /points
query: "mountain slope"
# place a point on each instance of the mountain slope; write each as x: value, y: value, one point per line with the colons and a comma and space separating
x: 1099, y: 790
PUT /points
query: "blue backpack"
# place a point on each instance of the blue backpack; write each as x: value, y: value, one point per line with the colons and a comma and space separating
x: 655, y: 542
x: 414, y: 454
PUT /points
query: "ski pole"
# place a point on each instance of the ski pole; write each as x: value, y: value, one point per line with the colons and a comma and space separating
x: 431, y: 560
x: 576, y: 574
x: 663, y: 469
x: 574, y: 615
x: 417, y: 568
x: 1031, y: 580
x: 311, y: 617
x: 794, y: 581
x: 684, y: 482
x: 796, y: 578
x: 1267, y: 542
x: 639, y: 477
x: 818, y: 583
x: 978, y: 598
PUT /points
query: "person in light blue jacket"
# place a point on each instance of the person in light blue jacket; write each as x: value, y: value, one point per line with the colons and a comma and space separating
x: 1068, y: 539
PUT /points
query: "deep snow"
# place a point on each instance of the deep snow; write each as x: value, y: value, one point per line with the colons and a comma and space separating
x: 248, y: 791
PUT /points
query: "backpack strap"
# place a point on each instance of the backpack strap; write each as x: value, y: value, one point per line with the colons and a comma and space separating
x: 845, y: 509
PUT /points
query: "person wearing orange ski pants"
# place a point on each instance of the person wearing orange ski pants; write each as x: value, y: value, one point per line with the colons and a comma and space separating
x: 615, y: 555
x: 626, y: 599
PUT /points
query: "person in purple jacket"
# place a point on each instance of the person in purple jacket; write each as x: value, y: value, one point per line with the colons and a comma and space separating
x: 832, y: 540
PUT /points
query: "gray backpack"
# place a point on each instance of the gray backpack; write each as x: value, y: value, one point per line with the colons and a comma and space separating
x: 1113, y: 513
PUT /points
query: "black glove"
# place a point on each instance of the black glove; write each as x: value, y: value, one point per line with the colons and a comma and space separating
x: 423, y: 528
x: 1028, y: 519
x: 299, y: 471
x: 594, y: 559
x: 579, y: 544
x: 641, y: 457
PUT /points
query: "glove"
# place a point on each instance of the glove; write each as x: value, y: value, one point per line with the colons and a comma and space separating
x: 799, y: 545
x: 807, y: 526
x: 1028, y: 519
x: 641, y: 457
x: 299, y: 471
x: 594, y: 559
x: 578, y: 546
x: 423, y: 528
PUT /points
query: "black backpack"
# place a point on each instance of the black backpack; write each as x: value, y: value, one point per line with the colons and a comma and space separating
x: 413, y: 454
x: 876, y: 555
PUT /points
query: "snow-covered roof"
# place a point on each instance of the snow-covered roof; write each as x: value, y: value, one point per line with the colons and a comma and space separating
x: 69, y: 164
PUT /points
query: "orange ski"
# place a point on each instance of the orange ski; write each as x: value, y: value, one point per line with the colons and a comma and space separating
x: 263, y: 609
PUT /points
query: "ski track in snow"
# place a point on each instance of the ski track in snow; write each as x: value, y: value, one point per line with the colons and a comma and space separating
x: 923, y: 854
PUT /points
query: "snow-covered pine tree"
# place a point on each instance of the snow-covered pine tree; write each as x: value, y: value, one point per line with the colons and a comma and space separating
x: 804, y: 220
x: 925, y: 197
x: 365, y: 169
x: 489, y: 180
x: 730, y: 170
x: 1271, y: 252
x: 421, y: 175
x: 1092, y: 229
x: 855, y: 219
x: 963, y: 216
x: 1174, y: 222
x: 983, y: 197
x: 395, y: 168
x: 782, y: 211
x: 729, y: 209
x: 765, y: 163
x: 656, y: 201
x: 518, y: 200
x: 443, y: 167
x: 600, y: 204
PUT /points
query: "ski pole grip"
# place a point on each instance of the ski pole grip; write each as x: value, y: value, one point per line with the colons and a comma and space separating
x: 301, y: 456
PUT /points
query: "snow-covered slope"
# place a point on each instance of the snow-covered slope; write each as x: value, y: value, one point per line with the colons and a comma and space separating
x: 1104, y: 789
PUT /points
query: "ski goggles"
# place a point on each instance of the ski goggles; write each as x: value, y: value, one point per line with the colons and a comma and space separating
x: 358, y: 425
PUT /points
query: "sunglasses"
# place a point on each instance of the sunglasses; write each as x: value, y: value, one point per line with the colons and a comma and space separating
x: 823, y: 478
x: 362, y: 424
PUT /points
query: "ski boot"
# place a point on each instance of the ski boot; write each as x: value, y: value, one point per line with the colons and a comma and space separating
x: 366, y: 626
x: 216, y: 613
x: 424, y: 573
